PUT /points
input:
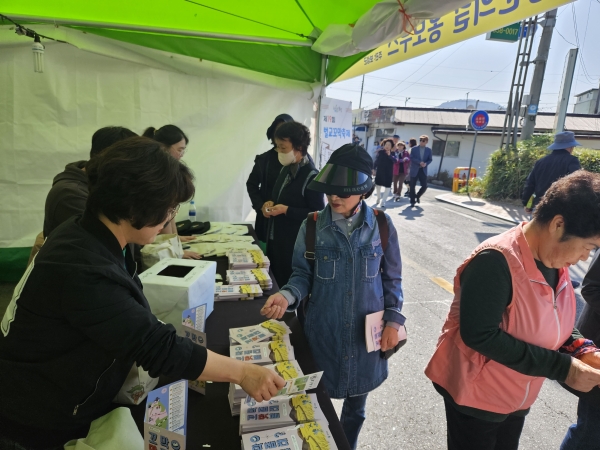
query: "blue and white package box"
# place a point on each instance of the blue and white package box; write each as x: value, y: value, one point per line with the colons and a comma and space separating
x: 165, y: 419
x: 311, y: 435
x: 193, y: 322
x: 174, y: 285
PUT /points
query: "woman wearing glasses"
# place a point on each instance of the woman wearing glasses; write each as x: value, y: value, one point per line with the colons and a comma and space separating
x: 355, y: 271
x: 79, y: 320
x: 175, y: 141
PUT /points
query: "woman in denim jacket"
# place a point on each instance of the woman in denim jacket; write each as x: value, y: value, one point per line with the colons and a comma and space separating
x: 352, y: 276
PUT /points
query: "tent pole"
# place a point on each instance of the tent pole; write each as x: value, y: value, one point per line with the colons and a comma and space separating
x: 317, y: 139
x: 172, y: 31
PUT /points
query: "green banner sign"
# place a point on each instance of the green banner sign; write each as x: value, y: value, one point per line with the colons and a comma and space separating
x: 506, y: 34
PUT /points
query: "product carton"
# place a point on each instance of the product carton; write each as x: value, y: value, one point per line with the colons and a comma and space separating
x: 174, y: 285
x: 165, y: 418
x: 192, y: 321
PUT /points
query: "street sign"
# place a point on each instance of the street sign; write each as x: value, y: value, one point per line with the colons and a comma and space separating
x: 478, y: 120
x: 506, y: 34
x: 532, y: 110
x: 509, y: 33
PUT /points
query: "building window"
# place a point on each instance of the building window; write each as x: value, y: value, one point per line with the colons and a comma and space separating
x: 384, y: 132
x: 452, y: 148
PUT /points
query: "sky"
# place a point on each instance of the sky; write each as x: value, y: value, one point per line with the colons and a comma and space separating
x: 484, y: 68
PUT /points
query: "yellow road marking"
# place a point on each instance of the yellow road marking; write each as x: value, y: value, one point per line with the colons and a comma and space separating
x: 443, y: 284
x: 437, y: 280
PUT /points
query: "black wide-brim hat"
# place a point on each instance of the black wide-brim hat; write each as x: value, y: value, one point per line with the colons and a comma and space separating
x: 348, y: 172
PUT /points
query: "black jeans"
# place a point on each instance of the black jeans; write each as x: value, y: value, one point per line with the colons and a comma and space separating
x: 469, y: 433
x: 422, y: 178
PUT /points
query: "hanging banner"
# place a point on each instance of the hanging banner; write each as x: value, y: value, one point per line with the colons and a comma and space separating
x: 336, y: 127
x: 474, y: 19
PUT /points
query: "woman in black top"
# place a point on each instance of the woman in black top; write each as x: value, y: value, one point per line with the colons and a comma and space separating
x: 263, y: 176
x: 384, y: 169
x: 291, y: 200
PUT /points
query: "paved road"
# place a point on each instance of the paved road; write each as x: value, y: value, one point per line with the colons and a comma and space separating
x: 406, y: 413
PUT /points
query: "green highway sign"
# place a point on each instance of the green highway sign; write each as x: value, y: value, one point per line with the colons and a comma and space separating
x: 506, y: 34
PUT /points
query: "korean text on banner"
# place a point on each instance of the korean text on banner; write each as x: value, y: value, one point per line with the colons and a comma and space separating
x: 336, y: 127
x: 474, y: 19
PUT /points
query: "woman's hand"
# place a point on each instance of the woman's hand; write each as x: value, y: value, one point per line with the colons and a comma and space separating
x: 591, y: 359
x: 389, y: 339
x: 278, y: 209
x: 266, y: 205
x: 582, y: 377
x: 191, y: 255
x: 260, y: 383
x: 186, y: 238
x: 275, y: 307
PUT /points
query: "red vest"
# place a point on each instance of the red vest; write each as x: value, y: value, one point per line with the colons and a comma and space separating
x: 535, y: 315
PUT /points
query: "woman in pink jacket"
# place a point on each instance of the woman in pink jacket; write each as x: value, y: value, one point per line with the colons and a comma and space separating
x: 401, y: 168
x: 511, y: 324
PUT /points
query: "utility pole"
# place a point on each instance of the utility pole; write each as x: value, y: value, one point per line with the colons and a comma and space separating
x: 540, y: 61
x: 467, y: 101
x: 565, y: 91
x: 361, y: 91
x: 406, y: 101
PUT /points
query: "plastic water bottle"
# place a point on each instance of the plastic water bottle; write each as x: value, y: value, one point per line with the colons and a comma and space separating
x: 192, y: 211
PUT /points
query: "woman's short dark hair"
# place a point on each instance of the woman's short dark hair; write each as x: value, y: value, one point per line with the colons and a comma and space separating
x: 167, y: 135
x: 296, y: 133
x: 137, y: 180
x: 107, y: 136
x: 368, y: 194
x: 576, y: 198
x: 385, y: 141
x: 413, y: 142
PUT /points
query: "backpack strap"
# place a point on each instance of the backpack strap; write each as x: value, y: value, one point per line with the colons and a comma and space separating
x: 384, y: 231
x: 311, y: 237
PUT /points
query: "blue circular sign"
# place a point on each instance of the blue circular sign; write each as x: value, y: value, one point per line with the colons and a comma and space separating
x: 479, y: 120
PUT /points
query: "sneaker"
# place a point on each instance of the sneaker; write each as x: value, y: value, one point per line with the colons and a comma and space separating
x: 418, y: 200
x: 412, y: 205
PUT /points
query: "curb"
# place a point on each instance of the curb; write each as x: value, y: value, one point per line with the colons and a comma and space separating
x: 440, y: 198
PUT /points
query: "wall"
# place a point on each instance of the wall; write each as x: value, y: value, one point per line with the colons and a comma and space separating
x: 47, y: 120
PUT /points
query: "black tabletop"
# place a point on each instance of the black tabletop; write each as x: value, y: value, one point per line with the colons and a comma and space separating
x: 209, y: 416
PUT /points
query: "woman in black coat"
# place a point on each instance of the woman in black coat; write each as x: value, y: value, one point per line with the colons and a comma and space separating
x: 384, y: 170
x: 291, y: 200
x: 263, y: 177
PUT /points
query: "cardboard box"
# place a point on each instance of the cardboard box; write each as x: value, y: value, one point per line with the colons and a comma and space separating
x: 193, y: 321
x: 166, y: 416
x: 174, y: 285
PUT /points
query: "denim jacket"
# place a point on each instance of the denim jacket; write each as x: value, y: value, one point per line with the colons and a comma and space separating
x: 346, y: 285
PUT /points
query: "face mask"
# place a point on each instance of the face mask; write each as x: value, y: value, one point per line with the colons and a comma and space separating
x: 286, y: 158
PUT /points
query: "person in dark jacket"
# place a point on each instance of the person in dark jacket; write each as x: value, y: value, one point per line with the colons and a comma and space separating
x: 420, y: 157
x: 585, y: 434
x: 78, y: 319
x: 384, y: 170
x: 550, y: 168
x: 263, y: 177
x: 69, y: 190
x: 291, y: 200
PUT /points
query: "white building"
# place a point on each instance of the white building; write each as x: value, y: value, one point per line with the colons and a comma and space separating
x: 587, y: 102
x: 449, y: 138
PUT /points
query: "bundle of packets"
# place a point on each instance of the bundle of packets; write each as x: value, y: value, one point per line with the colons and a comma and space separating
x: 264, y: 353
x: 288, y: 370
x: 269, y: 330
x: 165, y: 419
x: 225, y: 293
x: 306, y: 436
x: 251, y: 259
x: 251, y: 276
x: 281, y: 411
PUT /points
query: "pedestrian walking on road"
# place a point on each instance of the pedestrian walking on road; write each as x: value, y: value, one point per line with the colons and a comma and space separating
x: 511, y: 323
x: 353, y: 268
x: 585, y: 434
x: 420, y: 157
x: 384, y: 171
x: 401, y: 168
x: 550, y: 168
